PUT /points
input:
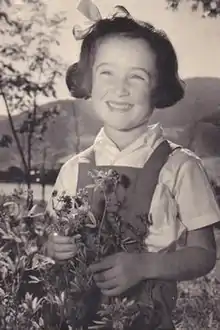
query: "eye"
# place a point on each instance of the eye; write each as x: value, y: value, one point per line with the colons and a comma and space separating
x: 106, y: 73
x: 137, y: 77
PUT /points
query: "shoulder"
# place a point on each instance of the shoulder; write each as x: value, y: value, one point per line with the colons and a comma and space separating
x: 181, y: 157
x: 72, y: 164
x: 181, y: 162
x: 67, y: 178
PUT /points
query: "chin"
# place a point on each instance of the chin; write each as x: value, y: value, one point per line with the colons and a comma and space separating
x: 124, y: 129
x: 120, y: 128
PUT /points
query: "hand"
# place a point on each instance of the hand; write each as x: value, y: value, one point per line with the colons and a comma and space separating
x: 61, y: 247
x: 117, y: 273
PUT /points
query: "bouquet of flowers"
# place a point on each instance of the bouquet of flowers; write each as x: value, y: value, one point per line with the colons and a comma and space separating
x: 39, y: 293
x: 102, y: 233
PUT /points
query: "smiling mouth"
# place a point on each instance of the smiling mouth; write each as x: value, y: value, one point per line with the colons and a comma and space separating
x: 120, y: 106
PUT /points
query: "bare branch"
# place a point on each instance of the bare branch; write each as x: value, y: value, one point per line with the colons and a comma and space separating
x: 14, y: 132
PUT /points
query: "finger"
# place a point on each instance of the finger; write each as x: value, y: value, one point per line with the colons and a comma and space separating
x: 107, y: 285
x: 98, y: 267
x: 105, y: 276
x: 64, y: 248
x: 76, y: 237
x: 107, y: 263
x: 112, y: 292
x: 64, y: 255
x: 57, y: 239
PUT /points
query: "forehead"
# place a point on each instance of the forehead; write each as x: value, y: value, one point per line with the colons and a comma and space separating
x: 125, y: 52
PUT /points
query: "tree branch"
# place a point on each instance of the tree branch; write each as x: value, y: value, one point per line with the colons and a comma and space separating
x: 15, y: 134
x: 8, y: 21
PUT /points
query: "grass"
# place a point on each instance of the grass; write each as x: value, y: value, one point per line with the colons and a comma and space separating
x: 198, y: 305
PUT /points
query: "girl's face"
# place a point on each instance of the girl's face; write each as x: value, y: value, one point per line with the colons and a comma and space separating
x: 123, y: 78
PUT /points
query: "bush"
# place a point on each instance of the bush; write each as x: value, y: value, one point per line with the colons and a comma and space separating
x: 198, y: 305
x: 38, y: 294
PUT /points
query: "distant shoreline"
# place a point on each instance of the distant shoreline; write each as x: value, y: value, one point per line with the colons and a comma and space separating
x: 7, y: 188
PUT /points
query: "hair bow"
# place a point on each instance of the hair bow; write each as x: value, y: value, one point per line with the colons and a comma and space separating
x: 92, y: 13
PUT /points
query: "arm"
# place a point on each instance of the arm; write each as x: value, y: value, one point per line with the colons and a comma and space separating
x: 65, y: 183
x: 198, y: 210
x: 60, y: 247
x: 119, y: 272
x: 59, y: 188
x: 192, y: 261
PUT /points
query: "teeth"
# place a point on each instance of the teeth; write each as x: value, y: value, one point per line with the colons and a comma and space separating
x: 120, y: 106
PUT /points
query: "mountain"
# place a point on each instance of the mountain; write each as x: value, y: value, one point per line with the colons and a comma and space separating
x: 200, y: 106
x: 60, y: 136
x: 202, y: 99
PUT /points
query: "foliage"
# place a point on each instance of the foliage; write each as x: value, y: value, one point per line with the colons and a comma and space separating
x: 67, y: 289
x: 18, y: 250
x: 29, y: 69
x: 210, y: 8
x: 198, y: 306
x: 38, y: 293
x: 98, y: 237
x: 5, y: 141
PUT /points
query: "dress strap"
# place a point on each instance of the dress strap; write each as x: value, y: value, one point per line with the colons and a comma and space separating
x: 148, y: 177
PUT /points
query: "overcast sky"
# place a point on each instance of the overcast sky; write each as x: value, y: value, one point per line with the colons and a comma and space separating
x: 196, y: 40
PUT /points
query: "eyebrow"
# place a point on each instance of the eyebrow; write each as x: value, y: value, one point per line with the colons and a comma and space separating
x: 102, y: 64
x: 142, y: 69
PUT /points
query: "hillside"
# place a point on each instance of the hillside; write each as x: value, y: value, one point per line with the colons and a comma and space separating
x: 61, y: 134
x: 201, y: 101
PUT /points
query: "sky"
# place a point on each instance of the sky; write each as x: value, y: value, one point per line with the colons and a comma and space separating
x: 196, y: 40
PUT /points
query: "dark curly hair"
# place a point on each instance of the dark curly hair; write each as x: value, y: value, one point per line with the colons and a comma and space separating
x: 169, y: 88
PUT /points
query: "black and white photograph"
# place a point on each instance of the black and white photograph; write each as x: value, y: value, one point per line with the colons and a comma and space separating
x: 110, y: 165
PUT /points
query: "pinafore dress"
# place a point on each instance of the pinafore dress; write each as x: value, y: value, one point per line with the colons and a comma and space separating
x: 134, y: 196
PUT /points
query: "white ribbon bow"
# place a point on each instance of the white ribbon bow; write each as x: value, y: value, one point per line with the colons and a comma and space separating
x: 91, y: 11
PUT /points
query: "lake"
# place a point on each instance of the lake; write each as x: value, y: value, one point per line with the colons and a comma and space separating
x: 7, y: 188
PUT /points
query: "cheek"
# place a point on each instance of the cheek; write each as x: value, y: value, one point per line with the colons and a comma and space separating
x: 141, y: 94
x: 99, y: 89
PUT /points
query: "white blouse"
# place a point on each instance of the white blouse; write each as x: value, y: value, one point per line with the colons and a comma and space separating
x: 183, y: 199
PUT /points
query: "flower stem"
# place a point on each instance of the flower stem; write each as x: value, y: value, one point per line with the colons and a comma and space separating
x: 101, y: 226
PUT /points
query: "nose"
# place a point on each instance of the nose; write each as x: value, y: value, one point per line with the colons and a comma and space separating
x: 121, y: 87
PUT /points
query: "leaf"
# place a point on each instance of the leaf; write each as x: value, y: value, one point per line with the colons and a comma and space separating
x: 3, y: 232
x: 62, y: 296
x: 34, y: 279
x: 4, y: 272
x: 28, y: 296
x: 99, y: 322
x: 12, y: 237
x: 34, y: 303
x: 128, y: 240
x: 2, y: 292
x: 41, y: 322
x: 13, y: 208
x: 37, y: 326
x: 8, y: 263
x: 97, y: 326
x: 5, y: 141
x: 91, y: 186
x: 93, y: 223
x: 130, y: 303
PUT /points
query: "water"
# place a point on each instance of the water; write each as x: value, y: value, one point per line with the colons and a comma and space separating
x: 7, y: 188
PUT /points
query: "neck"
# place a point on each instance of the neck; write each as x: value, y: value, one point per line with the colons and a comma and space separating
x: 124, y: 138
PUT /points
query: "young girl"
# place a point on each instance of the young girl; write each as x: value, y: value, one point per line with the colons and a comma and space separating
x: 128, y: 68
